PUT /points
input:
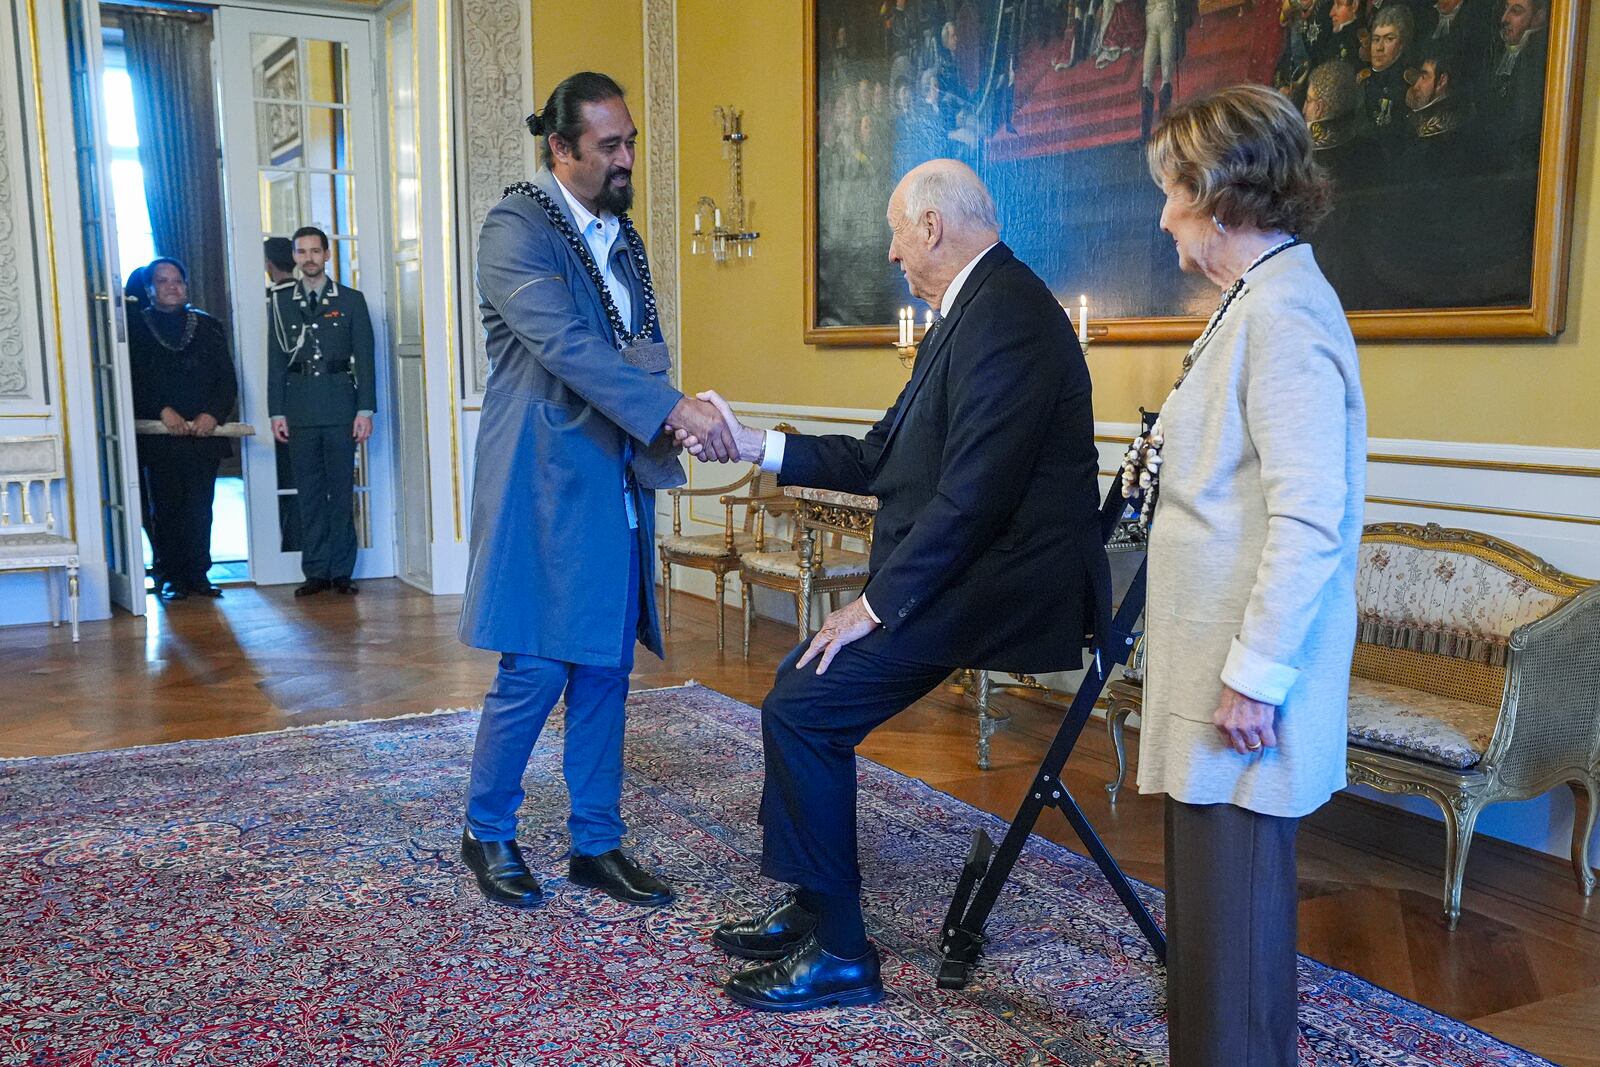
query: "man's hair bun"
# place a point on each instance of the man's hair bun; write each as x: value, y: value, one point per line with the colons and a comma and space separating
x: 535, y: 124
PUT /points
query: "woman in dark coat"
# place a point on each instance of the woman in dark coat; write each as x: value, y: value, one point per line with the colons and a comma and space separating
x: 184, y: 377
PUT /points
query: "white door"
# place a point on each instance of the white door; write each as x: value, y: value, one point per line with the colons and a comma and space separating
x: 300, y: 139
x: 108, y: 348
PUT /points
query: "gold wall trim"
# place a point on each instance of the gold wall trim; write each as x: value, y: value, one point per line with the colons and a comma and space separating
x: 1485, y: 465
x: 47, y: 202
x: 446, y: 165
x: 26, y: 415
x: 1475, y: 509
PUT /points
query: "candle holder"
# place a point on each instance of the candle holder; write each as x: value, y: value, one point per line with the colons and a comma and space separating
x: 730, y: 235
x: 909, y: 335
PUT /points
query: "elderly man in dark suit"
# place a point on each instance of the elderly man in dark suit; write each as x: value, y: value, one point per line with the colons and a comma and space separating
x: 986, y: 554
x: 572, y: 445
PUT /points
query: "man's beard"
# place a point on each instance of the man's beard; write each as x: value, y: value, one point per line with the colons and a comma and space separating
x: 616, y: 199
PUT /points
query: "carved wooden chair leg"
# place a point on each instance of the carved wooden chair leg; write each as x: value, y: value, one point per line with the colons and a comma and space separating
x: 1586, y: 799
x: 666, y: 596
x: 1460, y: 818
x: 1116, y: 719
x: 72, y: 600
x: 749, y: 614
x: 722, y: 584
x: 985, y: 722
x: 53, y: 596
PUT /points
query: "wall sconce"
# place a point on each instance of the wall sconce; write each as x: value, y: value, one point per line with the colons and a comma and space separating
x: 730, y: 231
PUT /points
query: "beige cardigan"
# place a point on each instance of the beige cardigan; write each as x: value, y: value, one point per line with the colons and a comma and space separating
x: 1253, y: 548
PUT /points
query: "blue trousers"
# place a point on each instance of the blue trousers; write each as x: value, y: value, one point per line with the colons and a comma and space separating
x: 514, y: 713
x: 810, y: 727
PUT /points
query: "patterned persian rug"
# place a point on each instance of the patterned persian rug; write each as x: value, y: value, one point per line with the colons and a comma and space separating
x: 295, y: 898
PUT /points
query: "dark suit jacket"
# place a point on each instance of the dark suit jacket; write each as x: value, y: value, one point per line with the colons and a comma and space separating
x: 986, y: 552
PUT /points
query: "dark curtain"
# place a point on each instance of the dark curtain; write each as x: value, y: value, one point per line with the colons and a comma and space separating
x: 169, y: 62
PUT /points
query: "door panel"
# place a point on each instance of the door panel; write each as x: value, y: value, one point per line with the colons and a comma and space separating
x: 300, y: 141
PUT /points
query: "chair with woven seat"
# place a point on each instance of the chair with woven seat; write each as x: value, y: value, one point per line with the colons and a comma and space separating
x: 1475, y: 680
x: 778, y: 565
x: 717, y: 552
x: 30, y: 467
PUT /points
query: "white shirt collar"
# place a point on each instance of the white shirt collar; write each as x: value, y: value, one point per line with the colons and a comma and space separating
x: 954, y: 288
x: 582, y: 215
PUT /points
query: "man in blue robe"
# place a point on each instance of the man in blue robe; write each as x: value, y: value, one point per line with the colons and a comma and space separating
x: 575, y: 437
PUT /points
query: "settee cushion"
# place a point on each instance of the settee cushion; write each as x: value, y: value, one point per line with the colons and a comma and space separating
x: 1410, y: 722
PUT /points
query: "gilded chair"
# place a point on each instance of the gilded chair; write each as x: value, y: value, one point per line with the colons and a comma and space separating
x: 30, y: 468
x: 717, y: 552
x: 1476, y: 679
x: 780, y: 565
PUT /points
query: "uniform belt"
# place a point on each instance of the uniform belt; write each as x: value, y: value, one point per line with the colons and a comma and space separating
x: 318, y: 367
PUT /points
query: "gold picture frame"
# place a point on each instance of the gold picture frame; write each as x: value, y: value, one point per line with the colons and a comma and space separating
x: 1544, y: 315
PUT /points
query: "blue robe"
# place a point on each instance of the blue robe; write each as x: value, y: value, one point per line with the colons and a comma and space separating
x: 562, y: 414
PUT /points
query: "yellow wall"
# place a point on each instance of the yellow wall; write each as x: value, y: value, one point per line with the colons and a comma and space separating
x: 743, y: 320
x: 602, y: 35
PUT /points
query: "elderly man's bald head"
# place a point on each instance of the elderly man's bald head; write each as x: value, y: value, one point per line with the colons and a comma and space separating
x: 942, y: 217
x: 951, y: 189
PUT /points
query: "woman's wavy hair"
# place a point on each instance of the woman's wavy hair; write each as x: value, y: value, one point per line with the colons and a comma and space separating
x: 1245, y: 155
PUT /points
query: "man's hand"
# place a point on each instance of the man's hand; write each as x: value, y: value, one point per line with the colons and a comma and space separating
x: 176, y: 424
x: 361, y: 429
x: 699, y: 420
x: 1245, y: 724
x: 750, y: 444
x: 280, y: 430
x: 843, y: 627
x: 204, y: 424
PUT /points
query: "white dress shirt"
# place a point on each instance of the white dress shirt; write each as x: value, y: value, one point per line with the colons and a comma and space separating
x: 772, y: 453
x: 600, y: 234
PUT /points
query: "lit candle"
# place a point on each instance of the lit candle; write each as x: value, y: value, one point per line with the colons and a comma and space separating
x: 927, y: 322
x: 716, y: 218
x: 1083, y: 318
x: 697, y: 223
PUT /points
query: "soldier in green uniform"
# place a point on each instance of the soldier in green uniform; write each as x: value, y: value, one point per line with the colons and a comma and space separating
x: 321, y: 396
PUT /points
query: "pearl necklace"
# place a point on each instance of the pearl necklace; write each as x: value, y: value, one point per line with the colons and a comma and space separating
x: 1141, y: 464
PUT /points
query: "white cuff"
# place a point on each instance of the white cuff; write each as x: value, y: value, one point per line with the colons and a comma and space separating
x: 870, y: 612
x: 1256, y: 676
x: 276, y: 418
x: 772, y: 458
x: 364, y: 414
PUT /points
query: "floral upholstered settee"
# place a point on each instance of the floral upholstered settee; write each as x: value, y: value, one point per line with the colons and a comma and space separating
x: 1476, y: 679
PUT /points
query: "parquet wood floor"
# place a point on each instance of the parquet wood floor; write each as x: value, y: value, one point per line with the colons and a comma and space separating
x: 1524, y: 964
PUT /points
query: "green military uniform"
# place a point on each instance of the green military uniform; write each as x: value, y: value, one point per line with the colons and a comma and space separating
x: 320, y: 376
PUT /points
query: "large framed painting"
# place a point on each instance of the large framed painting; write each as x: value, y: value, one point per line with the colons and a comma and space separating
x: 1449, y: 128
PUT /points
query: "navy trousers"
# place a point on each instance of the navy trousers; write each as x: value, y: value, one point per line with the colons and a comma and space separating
x: 514, y: 713
x: 324, y: 459
x: 810, y: 727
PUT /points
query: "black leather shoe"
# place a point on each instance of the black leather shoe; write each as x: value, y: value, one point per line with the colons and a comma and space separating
x: 809, y: 977
x: 313, y: 586
x: 501, y: 873
x: 771, y: 936
x: 204, y: 589
x: 345, y: 586
x: 617, y: 876
x: 173, y: 591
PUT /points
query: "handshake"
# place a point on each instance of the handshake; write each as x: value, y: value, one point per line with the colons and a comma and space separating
x: 708, y: 429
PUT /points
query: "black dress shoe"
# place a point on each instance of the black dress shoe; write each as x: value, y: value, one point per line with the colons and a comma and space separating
x: 771, y: 936
x: 313, y: 586
x: 809, y: 977
x: 345, y: 586
x: 500, y: 871
x: 617, y: 876
x: 173, y: 591
x: 204, y: 589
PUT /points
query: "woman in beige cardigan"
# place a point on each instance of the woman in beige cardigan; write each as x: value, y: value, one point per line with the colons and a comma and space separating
x: 1259, y: 459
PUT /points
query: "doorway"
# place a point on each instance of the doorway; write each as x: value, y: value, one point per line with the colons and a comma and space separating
x: 290, y: 139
